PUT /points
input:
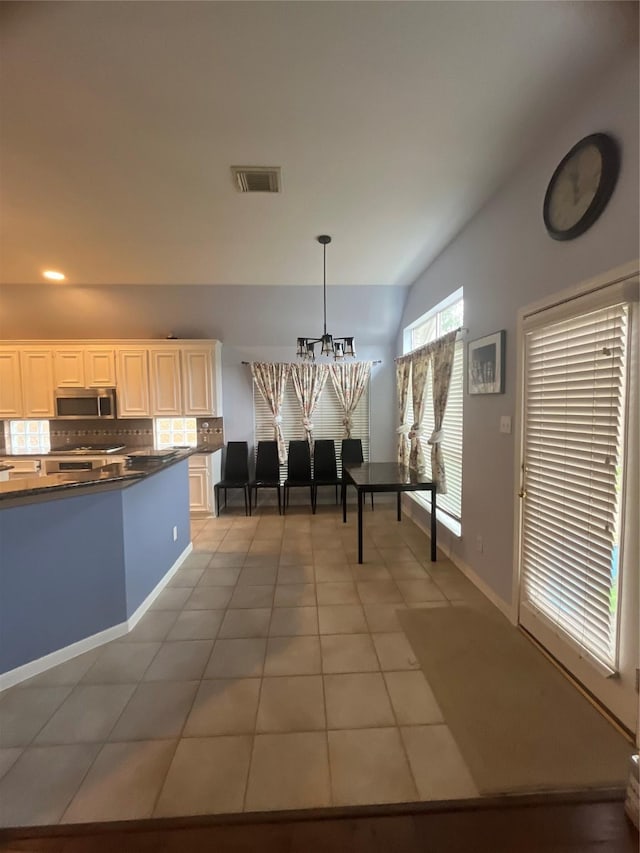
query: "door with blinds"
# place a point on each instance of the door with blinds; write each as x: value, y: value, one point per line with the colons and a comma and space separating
x: 578, y: 544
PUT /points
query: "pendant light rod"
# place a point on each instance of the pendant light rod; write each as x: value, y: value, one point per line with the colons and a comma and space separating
x: 324, y: 239
x: 339, y: 348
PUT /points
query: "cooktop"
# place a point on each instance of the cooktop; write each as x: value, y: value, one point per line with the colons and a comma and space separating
x: 88, y: 449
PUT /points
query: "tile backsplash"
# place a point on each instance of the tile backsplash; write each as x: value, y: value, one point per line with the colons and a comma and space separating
x: 133, y: 432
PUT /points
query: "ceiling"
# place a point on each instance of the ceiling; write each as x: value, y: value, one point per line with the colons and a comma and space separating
x: 393, y: 122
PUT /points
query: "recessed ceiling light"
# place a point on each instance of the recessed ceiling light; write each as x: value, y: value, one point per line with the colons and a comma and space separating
x: 52, y: 275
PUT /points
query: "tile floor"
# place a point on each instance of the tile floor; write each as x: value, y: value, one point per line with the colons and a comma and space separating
x: 271, y: 673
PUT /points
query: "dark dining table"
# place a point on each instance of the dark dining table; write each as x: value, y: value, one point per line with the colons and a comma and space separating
x: 386, y: 477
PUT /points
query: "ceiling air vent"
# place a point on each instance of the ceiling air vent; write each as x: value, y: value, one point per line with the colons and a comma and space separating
x: 256, y: 179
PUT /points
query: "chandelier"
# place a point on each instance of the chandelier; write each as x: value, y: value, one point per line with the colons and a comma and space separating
x: 337, y: 347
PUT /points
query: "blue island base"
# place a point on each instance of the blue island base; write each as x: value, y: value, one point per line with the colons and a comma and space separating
x: 80, y: 570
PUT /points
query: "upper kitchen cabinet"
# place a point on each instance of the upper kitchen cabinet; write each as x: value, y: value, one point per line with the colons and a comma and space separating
x: 84, y: 367
x: 36, y: 367
x: 68, y: 368
x: 165, y: 382
x: 201, y: 385
x: 152, y: 378
x: 185, y: 380
x: 10, y: 384
x: 99, y: 367
x: 26, y: 383
x: 132, y: 383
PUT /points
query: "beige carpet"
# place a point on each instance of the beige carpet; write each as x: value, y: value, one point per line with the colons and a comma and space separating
x: 520, y: 725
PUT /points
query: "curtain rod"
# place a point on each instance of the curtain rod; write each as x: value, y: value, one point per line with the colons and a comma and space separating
x: 379, y: 361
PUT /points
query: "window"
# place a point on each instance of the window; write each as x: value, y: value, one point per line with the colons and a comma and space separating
x: 29, y: 437
x: 327, y: 419
x: 445, y: 317
x: 172, y: 432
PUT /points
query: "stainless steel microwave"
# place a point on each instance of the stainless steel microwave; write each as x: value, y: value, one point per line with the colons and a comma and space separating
x: 81, y: 403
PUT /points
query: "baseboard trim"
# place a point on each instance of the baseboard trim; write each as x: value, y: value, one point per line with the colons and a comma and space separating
x: 410, y: 509
x: 40, y: 665
x: 36, y: 667
x: 139, y: 612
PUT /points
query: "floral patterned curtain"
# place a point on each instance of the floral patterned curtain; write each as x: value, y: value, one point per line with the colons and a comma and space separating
x: 419, y: 370
x: 441, y: 367
x: 308, y: 381
x: 403, y: 372
x: 271, y: 380
x: 350, y: 380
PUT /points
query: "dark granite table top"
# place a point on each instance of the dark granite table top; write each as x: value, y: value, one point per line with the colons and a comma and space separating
x: 385, y: 475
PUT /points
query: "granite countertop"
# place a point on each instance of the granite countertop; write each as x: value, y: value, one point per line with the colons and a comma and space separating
x: 109, y: 474
x: 199, y: 448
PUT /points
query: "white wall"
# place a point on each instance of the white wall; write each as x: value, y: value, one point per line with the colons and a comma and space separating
x: 504, y: 260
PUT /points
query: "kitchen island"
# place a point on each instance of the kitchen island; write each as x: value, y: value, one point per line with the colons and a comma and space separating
x: 83, y: 555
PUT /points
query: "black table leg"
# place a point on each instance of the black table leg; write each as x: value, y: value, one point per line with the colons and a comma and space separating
x: 359, y: 525
x: 344, y: 503
x: 399, y: 510
x: 433, y: 526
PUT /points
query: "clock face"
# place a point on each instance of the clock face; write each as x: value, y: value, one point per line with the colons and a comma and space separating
x: 581, y: 186
x: 575, y: 188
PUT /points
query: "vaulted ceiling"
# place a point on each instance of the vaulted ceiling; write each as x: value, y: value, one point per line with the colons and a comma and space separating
x: 392, y: 122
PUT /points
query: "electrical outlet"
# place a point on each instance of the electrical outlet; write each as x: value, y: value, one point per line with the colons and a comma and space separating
x: 505, y: 424
x: 175, y: 534
x: 479, y: 544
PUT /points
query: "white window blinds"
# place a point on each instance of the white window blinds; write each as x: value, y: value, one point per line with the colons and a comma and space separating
x: 575, y: 384
x: 327, y: 419
x: 451, y: 503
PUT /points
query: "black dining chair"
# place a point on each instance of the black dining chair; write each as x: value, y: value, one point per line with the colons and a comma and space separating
x: 267, y: 470
x: 351, y: 454
x: 236, y: 474
x: 325, y: 468
x: 298, y: 470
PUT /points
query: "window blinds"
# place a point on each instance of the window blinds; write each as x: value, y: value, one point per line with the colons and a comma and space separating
x: 327, y: 419
x: 451, y: 503
x: 575, y: 382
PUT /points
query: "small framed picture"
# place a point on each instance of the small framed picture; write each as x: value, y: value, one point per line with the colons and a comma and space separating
x: 485, y: 364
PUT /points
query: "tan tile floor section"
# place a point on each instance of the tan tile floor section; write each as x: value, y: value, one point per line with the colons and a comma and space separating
x: 271, y: 673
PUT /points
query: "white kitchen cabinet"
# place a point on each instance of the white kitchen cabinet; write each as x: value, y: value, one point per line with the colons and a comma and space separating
x: 200, y: 486
x: 84, y: 367
x: 132, y: 383
x: 199, y: 490
x: 68, y: 368
x: 99, y: 367
x: 204, y: 473
x: 36, y: 367
x: 165, y: 383
x: 10, y: 384
x: 200, y: 381
x: 152, y: 378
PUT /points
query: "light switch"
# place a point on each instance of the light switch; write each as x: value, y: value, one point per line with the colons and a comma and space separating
x: 505, y: 424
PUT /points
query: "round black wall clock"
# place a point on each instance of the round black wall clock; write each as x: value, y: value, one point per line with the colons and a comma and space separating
x: 581, y: 186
